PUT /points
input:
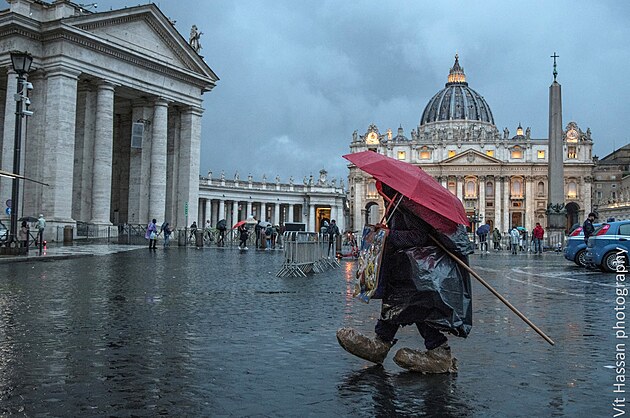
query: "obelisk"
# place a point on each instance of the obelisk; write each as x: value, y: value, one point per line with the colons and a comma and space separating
x: 556, y: 214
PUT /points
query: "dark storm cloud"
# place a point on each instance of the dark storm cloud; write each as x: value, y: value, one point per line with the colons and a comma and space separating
x: 297, y: 78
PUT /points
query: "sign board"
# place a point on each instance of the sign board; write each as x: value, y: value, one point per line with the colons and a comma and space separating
x: 7, y: 211
x: 8, y: 203
x: 186, y: 209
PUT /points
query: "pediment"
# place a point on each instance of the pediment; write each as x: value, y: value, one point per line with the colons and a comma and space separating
x: 145, y: 31
x: 471, y: 157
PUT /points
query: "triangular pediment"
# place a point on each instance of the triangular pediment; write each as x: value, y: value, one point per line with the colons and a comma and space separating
x: 471, y: 157
x: 145, y: 31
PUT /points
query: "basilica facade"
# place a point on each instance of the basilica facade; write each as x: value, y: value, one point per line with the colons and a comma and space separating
x: 500, y: 178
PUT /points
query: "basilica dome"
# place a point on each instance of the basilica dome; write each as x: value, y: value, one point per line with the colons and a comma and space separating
x: 457, y: 101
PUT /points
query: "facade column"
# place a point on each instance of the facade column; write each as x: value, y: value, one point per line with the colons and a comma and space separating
x: 276, y: 213
x: 460, y: 193
x: 188, y: 163
x: 506, y: 203
x: 234, y: 212
x: 482, y: 199
x: 530, y: 213
x: 498, y: 205
x: 333, y: 212
x: 208, y: 212
x: 249, y: 209
x: 311, y: 218
x: 221, y: 214
x: 103, y: 145
x: 61, y: 102
x: 34, y: 150
x: 587, y: 195
x: 291, y: 210
x: 157, y: 179
x: 8, y: 140
x: 263, y: 211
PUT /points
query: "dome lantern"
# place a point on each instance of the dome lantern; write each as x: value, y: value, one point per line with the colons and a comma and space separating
x: 456, y: 75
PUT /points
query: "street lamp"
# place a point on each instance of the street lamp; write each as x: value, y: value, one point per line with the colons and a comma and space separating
x: 21, y: 62
x: 474, y: 219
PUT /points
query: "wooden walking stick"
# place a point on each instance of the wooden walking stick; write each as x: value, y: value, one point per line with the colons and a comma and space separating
x: 494, y: 292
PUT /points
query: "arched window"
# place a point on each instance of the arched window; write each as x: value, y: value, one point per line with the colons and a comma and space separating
x: 489, y: 190
x: 572, y: 190
x: 541, y: 188
x: 371, y: 190
x: 471, y: 188
x: 517, y: 187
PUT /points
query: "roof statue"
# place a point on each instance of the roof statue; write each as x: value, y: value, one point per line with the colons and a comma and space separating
x: 194, y: 38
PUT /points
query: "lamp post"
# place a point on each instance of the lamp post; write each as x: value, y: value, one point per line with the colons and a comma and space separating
x: 474, y: 219
x: 21, y: 62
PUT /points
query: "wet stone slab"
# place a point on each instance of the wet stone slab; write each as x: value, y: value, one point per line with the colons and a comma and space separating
x: 213, y: 332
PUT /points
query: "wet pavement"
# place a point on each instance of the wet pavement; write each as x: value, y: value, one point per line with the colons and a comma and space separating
x: 213, y: 332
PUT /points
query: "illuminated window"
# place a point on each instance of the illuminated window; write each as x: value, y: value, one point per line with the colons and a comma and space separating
x: 402, y: 155
x: 490, y: 153
x: 572, y: 153
x: 371, y: 190
x: 517, y: 153
x: 572, y: 190
x: 517, y: 188
x: 471, y: 188
x: 451, y: 153
x: 425, y: 154
x: 541, y: 154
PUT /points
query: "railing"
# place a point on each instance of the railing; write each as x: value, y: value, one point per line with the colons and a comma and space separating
x: 307, y: 252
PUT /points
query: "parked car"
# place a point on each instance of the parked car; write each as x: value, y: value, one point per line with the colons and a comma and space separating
x: 606, y: 245
x: 575, y: 246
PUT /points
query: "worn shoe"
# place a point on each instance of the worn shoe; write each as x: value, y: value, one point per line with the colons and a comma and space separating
x: 371, y: 349
x: 438, y: 360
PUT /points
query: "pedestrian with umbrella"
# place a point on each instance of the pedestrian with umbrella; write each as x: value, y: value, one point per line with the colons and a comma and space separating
x: 222, y: 227
x: 424, y: 273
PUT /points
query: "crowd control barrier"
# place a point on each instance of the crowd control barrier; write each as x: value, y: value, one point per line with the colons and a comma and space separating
x: 307, y: 252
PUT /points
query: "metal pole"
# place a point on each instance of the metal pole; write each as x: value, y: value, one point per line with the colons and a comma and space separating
x: 15, y: 194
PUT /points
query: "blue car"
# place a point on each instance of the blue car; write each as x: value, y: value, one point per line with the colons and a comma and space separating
x: 575, y: 246
x: 609, y: 246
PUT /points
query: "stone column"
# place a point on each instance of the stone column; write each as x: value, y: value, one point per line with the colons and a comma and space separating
x: 249, y: 209
x: 311, y: 218
x: 139, y: 169
x: 333, y: 212
x: 460, y: 195
x: 221, y: 210
x: 291, y: 210
x: 482, y: 198
x: 103, y: 143
x: 157, y: 180
x: 530, y: 210
x: 263, y: 211
x: 8, y: 140
x: 586, y: 195
x: 61, y: 101
x: 34, y: 149
x: 189, y: 154
x: 506, y: 203
x: 234, y: 212
x: 208, y: 212
x: 498, y: 205
x: 276, y: 213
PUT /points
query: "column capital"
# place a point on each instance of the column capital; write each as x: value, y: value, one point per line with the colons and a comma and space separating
x: 106, y: 85
x: 62, y: 70
x: 161, y: 101
x: 195, y: 110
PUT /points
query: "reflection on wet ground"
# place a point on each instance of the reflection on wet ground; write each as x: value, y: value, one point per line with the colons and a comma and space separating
x: 213, y: 332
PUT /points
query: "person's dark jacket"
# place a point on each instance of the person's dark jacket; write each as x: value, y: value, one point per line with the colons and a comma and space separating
x: 588, y: 229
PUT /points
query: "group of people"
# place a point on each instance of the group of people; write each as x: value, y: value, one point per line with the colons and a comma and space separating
x: 267, y: 236
x: 25, y: 232
x: 517, y: 239
x: 152, y: 233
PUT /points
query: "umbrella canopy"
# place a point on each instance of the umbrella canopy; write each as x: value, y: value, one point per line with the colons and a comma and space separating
x: 521, y: 228
x: 431, y: 201
x: 222, y: 224
x: 265, y: 224
x: 28, y: 219
x: 239, y: 223
x: 251, y: 220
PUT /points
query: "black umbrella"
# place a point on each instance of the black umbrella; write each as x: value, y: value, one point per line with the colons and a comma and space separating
x: 222, y: 224
x: 28, y: 219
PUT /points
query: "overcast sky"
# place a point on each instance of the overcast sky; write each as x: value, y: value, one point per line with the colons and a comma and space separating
x: 298, y: 77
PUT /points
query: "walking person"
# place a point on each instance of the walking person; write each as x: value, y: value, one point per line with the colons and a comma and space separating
x: 23, y: 235
x: 588, y: 227
x: 166, y: 228
x: 538, y: 234
x: 333, y: 232
x: 496, y: 239
x: 243, y: 236
x: 482, y: 233
x: 40, y: 225
x: 268, y: 234
x: 406, y: 304
x: 222, y: 227
x: 257, y: 231
x: 151, y: 234
x: 515, y: 238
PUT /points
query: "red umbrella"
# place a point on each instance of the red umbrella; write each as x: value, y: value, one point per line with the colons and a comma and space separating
x: 239, y: 223
x: 429, y: 199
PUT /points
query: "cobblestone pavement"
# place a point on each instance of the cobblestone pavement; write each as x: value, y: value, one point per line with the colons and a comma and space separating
x: 213, y: 332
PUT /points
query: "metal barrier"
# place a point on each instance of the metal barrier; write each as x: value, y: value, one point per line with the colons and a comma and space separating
x: 307, y: 252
